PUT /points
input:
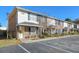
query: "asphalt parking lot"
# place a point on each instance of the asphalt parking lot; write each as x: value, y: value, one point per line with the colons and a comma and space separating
x: 62, y: 45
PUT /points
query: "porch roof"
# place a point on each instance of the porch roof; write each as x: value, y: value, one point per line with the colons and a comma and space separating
x: 29, y: 24
x: 55, y: 27
x: 51, y: 27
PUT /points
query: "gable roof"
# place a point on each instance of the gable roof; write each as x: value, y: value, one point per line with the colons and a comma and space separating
x: 37, y: 13
x: 41, y: 14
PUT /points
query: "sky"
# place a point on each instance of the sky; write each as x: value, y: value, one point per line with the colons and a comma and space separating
x: 60, y: 12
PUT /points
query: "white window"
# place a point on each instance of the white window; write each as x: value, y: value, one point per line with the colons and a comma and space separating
x: 78, y: 26
x: 51, y: 21
x: 32, y: 30
x: 65, y: 24
x: 32, y: 17
x: 22, y: 17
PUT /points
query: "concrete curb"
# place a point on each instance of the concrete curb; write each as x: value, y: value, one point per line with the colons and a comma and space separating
x: 50, y: 38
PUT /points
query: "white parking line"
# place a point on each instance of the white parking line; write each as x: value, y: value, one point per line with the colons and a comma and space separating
x: 55, y: 47
x: 24, y: 48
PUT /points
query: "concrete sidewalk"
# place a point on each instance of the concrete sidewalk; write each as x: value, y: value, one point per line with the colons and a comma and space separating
x: 50, y: 38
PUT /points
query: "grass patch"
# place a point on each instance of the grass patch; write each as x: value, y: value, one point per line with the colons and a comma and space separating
x: 7, y: 42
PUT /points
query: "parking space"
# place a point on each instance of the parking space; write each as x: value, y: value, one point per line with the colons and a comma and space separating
x: 61, y: 45
x: 41, y: 48
x: 12, y: 49
x: 70, y: 44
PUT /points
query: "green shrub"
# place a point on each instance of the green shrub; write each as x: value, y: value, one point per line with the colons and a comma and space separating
x: 41, y: 36
x: 46, y: 35
x: 55, y: 35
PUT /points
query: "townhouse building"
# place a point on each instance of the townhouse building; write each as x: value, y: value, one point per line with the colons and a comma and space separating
x: 67, y: 26
x: 77, y: 26
x: 26, y: 23
x: 55, y: 26
x: 59, y: 26
x: 51, y: 28
x: 70, y: 27
x: 23, y: 23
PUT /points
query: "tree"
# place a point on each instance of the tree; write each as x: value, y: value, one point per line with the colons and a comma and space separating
x: 77, y: 21
x: 68, y: 19
x: 0, y: 25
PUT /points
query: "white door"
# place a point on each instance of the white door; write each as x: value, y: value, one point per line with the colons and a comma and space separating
x: 20, y: 35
